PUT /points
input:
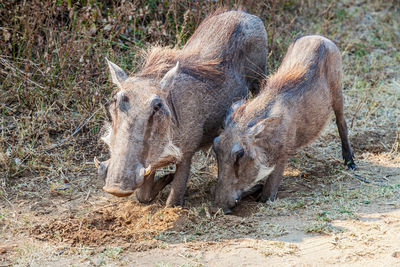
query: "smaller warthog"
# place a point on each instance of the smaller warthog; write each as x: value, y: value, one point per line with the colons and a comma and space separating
x: 292, y: 109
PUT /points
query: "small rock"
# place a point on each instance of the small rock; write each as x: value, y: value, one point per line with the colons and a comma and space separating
x: 6, y: 35
x: 6, y: 249
x: 396, y: 254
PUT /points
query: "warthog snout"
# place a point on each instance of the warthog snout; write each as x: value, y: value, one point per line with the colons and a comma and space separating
x: 232, y: 202
x: 228, y: 200
x: 116, y: 191
x: 124, y: 184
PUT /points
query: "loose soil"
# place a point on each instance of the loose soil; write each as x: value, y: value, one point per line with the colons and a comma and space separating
x: 315, y: 221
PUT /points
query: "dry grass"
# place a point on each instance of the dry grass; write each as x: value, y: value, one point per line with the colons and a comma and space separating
x: 45, y: 74
x: 53, y: 77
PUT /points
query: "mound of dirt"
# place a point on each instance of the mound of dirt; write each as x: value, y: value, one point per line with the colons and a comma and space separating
x: 124, y: 222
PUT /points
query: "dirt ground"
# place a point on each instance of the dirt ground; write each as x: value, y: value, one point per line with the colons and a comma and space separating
x: 324, y: 215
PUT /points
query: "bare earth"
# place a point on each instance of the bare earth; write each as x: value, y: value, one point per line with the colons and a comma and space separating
x: 316, y: 221
x: 373, y: 239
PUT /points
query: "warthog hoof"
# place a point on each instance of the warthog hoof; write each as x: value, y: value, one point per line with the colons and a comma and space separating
x: 351, y: 165
x: 264, y: 198
x: 227, y: 211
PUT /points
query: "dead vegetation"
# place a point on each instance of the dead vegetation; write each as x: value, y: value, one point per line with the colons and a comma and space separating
x: 53, y: 77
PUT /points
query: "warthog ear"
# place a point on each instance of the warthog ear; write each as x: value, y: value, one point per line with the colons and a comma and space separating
x: 118, y: 76
x: 174, y: 69
x: 168, y: 76
x: 232, y: 108
x: 262, y: 126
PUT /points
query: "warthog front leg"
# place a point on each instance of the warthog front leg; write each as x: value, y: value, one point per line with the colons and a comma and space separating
x: 178, y: 187
x: 271, y: 185
x: 150, y: 188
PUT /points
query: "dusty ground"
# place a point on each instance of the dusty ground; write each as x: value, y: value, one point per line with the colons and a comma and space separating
x: 324, y: 215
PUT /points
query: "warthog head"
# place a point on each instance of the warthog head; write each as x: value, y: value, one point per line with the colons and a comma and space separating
x: 139, y: 137
x: 243, y: 160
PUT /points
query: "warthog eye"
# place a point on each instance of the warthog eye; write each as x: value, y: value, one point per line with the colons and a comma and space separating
x: 157, y: 107
x: 124, y: 98
x: 124, y: 103
x: 237, y: 152
x: 156, y: 104
x: 239, y: 155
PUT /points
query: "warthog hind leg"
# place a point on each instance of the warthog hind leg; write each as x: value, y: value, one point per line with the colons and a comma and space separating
x: 347, y: 151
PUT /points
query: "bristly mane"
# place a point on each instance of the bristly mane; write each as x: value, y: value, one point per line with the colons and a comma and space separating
x: 204, y: 66
x: 291, y: 75
x: 282, y: 80
x: 161, y: 59
x: 204, y: 70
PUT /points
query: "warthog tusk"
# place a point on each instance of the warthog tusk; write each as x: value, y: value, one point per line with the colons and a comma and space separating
x: 100, y: 165
x: 147, y: 170
x: 142, y: 172
x: 97, y: 163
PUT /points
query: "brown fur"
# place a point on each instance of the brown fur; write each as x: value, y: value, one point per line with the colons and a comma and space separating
x: 206, y: 23
x: 286, y: 78
x: 289, y: 75
x: 292, y: 72
x: 162, y: 59
x: 292, y: 109
x: 159, y: 60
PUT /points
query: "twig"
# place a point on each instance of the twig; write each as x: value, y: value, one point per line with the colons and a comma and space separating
x: 183, y: 256
x: 80, y: 226
x: 87, y: 196
x: 15, y: 69
x: 323, y: 13
x: 358, y: 177
x: 86, y: 121
x: 71, y: 199
x: 208, y: 154
x: 358, y: 108
x: 11, y: 204
x: 361, y: 179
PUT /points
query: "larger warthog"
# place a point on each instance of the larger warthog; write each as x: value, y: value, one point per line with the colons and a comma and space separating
x: 177, y: 102
x: 291, y: 110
